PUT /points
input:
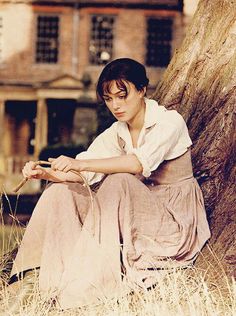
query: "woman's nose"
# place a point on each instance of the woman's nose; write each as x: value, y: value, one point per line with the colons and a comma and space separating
x: 115, y: 104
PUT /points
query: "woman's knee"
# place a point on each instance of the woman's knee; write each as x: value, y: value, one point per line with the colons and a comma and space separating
x: 119, y: 178
x: 53, y: 188
x: 63, y: 189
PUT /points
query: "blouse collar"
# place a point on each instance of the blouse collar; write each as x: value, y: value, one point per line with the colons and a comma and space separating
x: 150, y: 118
x: 151, y: 113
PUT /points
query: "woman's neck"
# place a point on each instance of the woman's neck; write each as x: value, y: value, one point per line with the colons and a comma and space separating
x: 137, y: 122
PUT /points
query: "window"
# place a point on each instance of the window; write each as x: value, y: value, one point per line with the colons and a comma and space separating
x: 159, y: 36
x: 47, y: 44
x: 101, y: 39
x: 1, y: 39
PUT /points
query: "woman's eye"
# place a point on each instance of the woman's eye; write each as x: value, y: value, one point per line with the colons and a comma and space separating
x: 122, y: 96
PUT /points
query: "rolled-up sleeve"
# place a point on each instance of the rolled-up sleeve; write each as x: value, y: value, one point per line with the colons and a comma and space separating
x: 168, y: 139
x: 104, y: 146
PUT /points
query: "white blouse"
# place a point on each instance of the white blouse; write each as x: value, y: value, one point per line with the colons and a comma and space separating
x: 164, y: 136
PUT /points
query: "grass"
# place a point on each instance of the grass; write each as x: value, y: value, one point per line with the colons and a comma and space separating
x: 190, y: 292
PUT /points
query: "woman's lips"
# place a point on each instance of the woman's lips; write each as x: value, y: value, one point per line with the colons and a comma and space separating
x: 119, y: 113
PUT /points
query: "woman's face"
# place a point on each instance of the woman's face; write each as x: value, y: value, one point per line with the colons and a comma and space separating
x: 125, y: 106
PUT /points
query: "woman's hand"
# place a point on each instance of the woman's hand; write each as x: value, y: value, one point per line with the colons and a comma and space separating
x: 58, y: 171
x: 32, y: 171
x: 65, y: 164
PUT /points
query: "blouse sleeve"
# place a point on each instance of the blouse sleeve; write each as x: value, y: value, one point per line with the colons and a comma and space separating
x: 104, y: 146
x: 168, y: 139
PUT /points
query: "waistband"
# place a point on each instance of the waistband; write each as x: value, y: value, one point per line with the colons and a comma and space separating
x: 153, y: 183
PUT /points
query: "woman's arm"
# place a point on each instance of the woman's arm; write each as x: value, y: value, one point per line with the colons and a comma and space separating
x: 61, y: 168
x: 125, y: 163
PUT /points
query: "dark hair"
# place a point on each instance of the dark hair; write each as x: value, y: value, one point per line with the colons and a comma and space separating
x: 121, y: 70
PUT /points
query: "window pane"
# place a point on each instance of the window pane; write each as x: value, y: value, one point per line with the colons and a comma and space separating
x: 101, y: 39
x: 47, y: 44
x: 159, y: 36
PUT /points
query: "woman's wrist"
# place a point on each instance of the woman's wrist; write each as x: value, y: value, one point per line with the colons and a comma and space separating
x: 81, y: 165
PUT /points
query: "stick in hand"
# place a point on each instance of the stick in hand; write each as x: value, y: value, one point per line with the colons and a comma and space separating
x: 23, y: 181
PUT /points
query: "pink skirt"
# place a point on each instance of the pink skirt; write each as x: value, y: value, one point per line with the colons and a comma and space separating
x: 133, y: 231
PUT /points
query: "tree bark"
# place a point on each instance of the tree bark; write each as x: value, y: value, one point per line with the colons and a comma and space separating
x: 200, y: 82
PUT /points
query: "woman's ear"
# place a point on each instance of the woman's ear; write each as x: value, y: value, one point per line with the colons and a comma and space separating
x: 142, y: 92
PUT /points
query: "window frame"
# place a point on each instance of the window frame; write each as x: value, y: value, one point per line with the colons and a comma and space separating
x: 47, y: 64
x: 91, y: 39
x: 159, y: 64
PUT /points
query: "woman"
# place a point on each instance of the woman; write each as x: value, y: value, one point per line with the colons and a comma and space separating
x: 148, y: 209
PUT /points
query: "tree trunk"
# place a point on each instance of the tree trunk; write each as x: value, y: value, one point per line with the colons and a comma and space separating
x: 200, y: 83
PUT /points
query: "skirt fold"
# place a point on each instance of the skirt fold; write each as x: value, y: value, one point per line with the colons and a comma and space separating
x: 135, y: 230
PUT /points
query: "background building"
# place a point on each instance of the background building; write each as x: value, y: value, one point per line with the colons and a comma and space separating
x: 51, y: 53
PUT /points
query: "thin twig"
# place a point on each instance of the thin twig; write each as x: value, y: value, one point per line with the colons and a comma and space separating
x: 24, y: 180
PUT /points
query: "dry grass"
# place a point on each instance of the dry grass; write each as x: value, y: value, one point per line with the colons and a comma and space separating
x: 194, y: 292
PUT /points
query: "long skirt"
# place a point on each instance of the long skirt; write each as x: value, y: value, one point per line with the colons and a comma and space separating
x: 88, y: 253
